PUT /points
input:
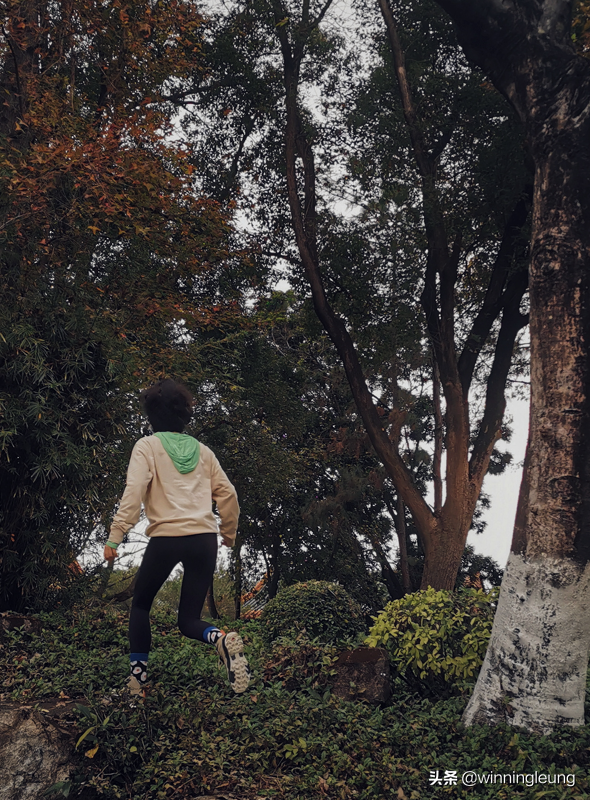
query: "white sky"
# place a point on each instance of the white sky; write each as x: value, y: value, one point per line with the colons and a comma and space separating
x: 503, y: 491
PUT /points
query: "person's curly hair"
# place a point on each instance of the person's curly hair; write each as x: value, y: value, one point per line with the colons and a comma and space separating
x: 168, y: 405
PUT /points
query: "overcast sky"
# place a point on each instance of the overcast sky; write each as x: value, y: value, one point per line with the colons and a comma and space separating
x: 503, y: 491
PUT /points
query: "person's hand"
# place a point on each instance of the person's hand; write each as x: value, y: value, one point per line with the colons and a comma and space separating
x: 227, y: 544
x: 110, y: 553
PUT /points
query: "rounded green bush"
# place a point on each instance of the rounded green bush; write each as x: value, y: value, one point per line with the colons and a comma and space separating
x: 436, y: 639
x: 323, y: 610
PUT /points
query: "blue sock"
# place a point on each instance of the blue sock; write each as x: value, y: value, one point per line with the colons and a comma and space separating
x: 138, y: 664
x: 212, y: 634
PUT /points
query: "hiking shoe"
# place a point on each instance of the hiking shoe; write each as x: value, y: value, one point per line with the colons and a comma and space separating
x: 231, y: 651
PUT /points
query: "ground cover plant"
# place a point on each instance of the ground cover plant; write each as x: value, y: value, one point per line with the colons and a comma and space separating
x: 287, y: 737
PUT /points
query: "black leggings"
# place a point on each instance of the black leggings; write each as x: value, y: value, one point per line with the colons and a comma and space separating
x: 198, y: 555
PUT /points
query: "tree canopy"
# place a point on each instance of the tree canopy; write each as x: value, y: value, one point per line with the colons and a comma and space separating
x: 145, y: 220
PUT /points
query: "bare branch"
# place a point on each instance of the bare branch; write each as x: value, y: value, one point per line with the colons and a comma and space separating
x: 438, y: 439
x: 322, y: 13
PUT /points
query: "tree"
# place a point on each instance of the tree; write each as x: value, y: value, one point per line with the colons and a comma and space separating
x: 106, y: 254
x: 364, y: 270
x: 443, y: 530
x: 310, y: 504
x: 535, y: 669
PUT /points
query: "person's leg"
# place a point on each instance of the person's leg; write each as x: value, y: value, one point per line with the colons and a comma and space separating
x: 159, y: 559
x: 199, y: 565
x: 199, y: 557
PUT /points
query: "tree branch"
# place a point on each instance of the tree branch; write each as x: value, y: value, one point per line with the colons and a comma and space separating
x: 322, y: 13
x: 435, y: 229
x: 399, y: 523
x: 420, y: 150
x: 555, y: 16
x: 440, y: 261
x: 438, y: 439
x: 233, y: 170
x: 304, y: 225
x: 502, y: 37
x: 494, y: 300
x: 16, y: 72
x: 490, y: 427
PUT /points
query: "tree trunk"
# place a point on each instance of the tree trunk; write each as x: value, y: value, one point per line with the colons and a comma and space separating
x: 275, y: 572
x: 238, y: 581
x: 213, y: 612
x: 534, y: 673
x: 22, y: 38
x: 391, y: 579
x: 395, y: 587
x: 402, y: 539
x: 443, y: 558
x: 535, y: 670
x: 443, y: 548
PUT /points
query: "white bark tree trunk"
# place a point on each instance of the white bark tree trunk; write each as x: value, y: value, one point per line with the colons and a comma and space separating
x: 534, y: 673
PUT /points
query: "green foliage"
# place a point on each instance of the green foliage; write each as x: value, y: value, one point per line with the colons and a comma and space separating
x: 323, y: 610
x: 436, y: 640
x: 192, y: 737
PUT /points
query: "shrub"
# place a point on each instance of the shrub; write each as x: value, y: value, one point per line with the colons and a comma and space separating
x: 324, y: 610
x: 436, y: 639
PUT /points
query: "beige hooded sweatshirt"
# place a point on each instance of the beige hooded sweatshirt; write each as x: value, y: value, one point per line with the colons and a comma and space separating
x: 175, y: 504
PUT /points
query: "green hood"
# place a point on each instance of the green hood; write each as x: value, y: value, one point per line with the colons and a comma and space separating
x: 183, y: 450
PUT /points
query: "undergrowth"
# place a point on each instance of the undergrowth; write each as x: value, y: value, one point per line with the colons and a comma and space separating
x: 287, y: 737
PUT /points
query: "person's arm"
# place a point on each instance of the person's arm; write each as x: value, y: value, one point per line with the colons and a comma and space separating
x: 226, y: 498
x: 139, y: 476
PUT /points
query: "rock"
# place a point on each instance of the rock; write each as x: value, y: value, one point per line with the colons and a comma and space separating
x: 10, y: 622
x: 363, y: 674
x: 36, y: 751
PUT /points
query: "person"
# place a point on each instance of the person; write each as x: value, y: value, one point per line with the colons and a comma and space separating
x: 176, y: 477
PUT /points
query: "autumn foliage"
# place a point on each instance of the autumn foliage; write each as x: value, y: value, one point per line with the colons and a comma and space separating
x: 88, y: 150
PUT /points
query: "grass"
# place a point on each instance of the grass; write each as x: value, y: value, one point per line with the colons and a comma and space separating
x: 286, y: 737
